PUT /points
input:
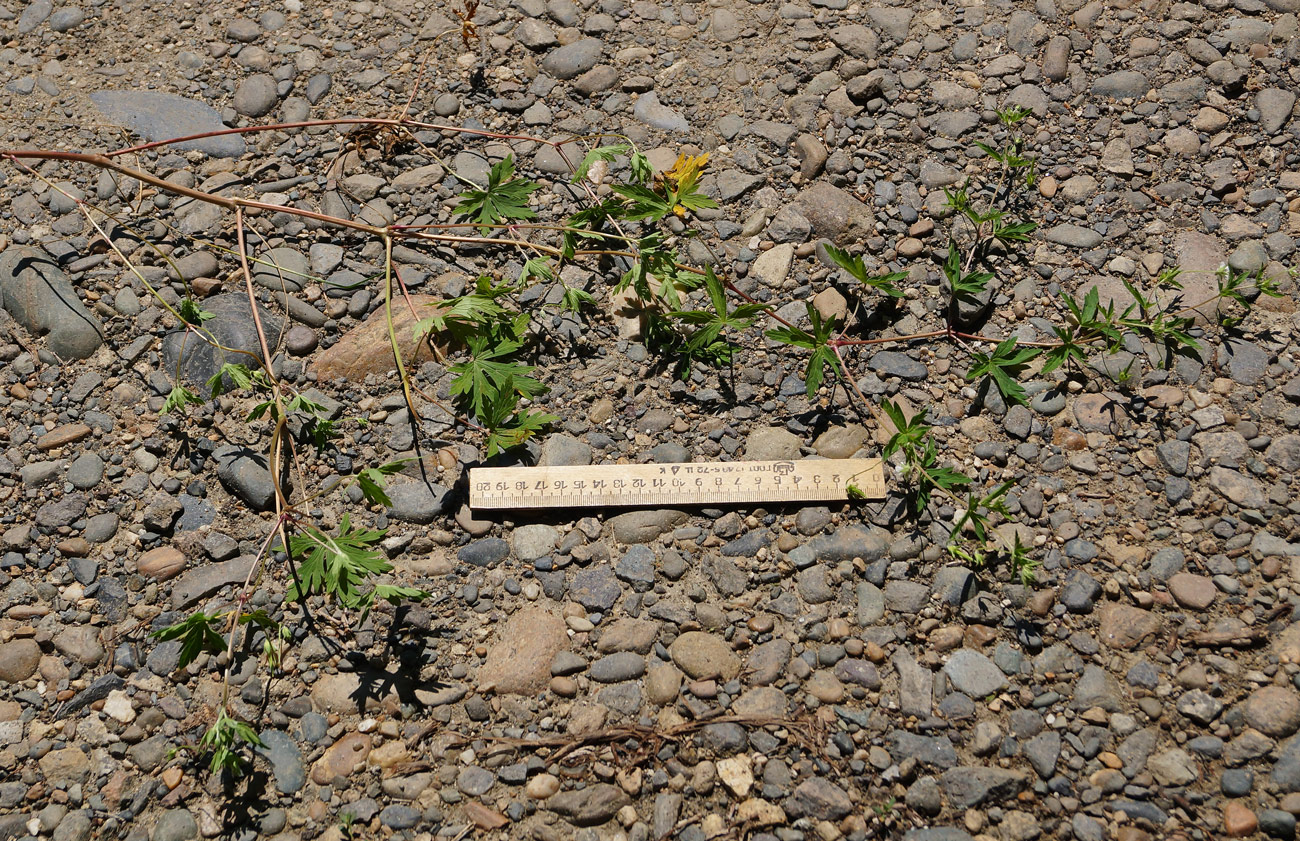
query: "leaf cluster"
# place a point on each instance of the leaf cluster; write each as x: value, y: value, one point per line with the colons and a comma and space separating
x: 817, y: 340
x: 504, y: 199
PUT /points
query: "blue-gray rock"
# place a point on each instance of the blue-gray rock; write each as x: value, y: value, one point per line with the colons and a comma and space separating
x: 574, y: 59
x: 417, y: 502
x: 616, y: 668
x: 652, y: 112
x: 485, y: 552
x: 937, y: 833
x: 66, y: 19
x: 33, y: 16
x: 161, y: 116
x: 40, y: 297
x: 892, y: 363
x: 475, y: 781
x: 232, y: 327
x: 1276, y: 823
x: 589, y: 806
x: 596, y: 588
x: 281, y: 269
x: 1123, y: 83
x: 645, y: 526
x: 869, y: 543
x: 244, y: 472
x: 970, y: 786
x: 175, y: 825
x: 933, y: 751
x: 198, y: 583
x: 1286, y: 771
x: 974, y: 674
x: 1275, y: 106
x: 287, y: 765
x: 871, y: 604
x: 255, y: 96
x: 86, y: 471
x: 1080, y: 592
x: 399, y: 816
x: 61, y: 512
x: 1097, y: 688
x: 1042, y: 751
x: 1073, y: 236
x: 818, y: 799
x: 564, y: 451
x: 637, y: 567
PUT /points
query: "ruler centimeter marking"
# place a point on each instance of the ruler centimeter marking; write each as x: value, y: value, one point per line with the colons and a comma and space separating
x: 666, y: 485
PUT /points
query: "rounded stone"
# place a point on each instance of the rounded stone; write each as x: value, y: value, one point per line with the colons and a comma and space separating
x: 542, y: 786
x: 18, y: 660
x: 1274, y: 710
x: 255, y: 96
x: 300, y: 340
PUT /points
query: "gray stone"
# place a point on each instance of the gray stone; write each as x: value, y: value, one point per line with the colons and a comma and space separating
x: 417, y: 502
x: 287, y: 766
x: 596, y: 588
x: 870, y: 543
x: 1080, y: 592
x: 86, y: 471
x: 1275, y: 106
x: 40, y: 297
x: 652, y: 112
x: 1121, y: 84
x: 590, y: 806
x: 574, y: 59
x: 198, y: 583
x: 232, y: 326
x: 890, y: 363
x: 255, y: 96
x: 484, y: 553
x: 1042, y: 751
x: 974, y: 674
x: 245, y: 473
x: 645, y: 526
x: 968, y: 787
x: 818, y: 799
x: 160, y: 116
x: 175, y: 825
x: 616, y: 668
x: 1073, y: 236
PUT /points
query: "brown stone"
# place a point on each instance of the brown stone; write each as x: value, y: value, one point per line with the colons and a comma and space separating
x: 18, y: 660
x: 702, y: 655
x: 343, y: 758
x: 835, y: 213
x: 1125, y: 627
x: 519, y: 663
x: 1238, y: 820
x: 367, y: 350
x: 1099, y: 413
x: 74, y: 547
x: 1195, y: 592
x: 1274, y: 710
x: 62, y: 436
x: 162, y: 563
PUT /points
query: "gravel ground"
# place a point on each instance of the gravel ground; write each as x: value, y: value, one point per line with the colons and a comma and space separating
x: 788, y: 673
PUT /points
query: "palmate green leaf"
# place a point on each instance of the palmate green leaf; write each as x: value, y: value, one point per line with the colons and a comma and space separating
x: 642, y: 203
x: 505, y: 198
x: 239, y: 376
x: 460, y: 314
x: 335, y: 566
x: 371, y: 480
x: 642, y: 171
x: 192, y: 312
x: 225, y: 738
x: 600, y: 153
x: 197, y: 634
x: 823, y: 355
x: 517, y: 430
x: 858, y: 269
x: 537, y: 267
x: 179, y: 398
x: 575, y: 299
x: 1001, y: 367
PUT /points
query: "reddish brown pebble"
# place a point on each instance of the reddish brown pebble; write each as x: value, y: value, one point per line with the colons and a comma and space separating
x: 1239, y: 821
x: 162, y: 563
x: 761, y: 624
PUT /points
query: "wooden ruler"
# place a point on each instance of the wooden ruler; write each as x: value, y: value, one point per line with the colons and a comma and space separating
x: 672, y: 485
